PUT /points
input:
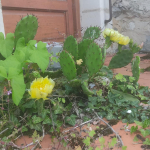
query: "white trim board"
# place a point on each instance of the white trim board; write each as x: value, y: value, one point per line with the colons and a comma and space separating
x: 1, y: 20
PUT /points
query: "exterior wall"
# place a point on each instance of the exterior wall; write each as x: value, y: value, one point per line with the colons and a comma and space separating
x: 94, y: 13
x: 1, y: 20
x: 132, y: 18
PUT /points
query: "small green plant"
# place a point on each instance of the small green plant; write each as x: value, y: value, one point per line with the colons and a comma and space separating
x: 144, y: 129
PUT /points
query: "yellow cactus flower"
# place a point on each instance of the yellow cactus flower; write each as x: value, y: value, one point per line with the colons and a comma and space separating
x: 79, y: 62
x: 124, y: 40
x: 41, y: 87
x: 115, y: 36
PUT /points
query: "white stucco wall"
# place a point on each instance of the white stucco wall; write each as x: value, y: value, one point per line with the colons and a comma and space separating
x: 94, y: 13
x: 1, y: 20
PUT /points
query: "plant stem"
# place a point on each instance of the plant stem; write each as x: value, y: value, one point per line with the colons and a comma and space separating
x: 40, y: 105
x: 51, y: 116
x: 119, y: 47
x: 109, y: 127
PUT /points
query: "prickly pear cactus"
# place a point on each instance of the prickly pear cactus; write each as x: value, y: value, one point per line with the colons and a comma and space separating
x: 134, y: 48
x: 82, y: 48
x: 85, y: 88
x: 121, y: 59
x: 94, y: 60
x: 136, y: 68
x: 68, y: 65
x: 71, y: 46
x: 92, y: 33
x: 27, y: 28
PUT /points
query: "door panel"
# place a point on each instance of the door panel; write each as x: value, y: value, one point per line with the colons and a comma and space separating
x: 55, y: 17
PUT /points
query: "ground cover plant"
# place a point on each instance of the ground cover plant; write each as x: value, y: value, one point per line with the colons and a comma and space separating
x: 35, y: 101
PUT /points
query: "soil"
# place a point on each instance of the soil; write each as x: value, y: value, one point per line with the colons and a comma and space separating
x: 127, y: 138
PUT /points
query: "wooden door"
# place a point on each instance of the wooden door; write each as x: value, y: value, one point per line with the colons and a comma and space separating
x: 57, y: 18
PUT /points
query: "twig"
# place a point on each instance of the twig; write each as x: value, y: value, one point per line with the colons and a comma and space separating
x: 4, y: 131
x: 12, y: 133
x: 110, y: 127
x: 17, y: 137
x: 22, y: 147
x: 78, y: 126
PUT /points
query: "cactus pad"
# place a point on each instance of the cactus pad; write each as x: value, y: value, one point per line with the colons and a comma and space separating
x: 85, y: 88
x: 92, y: 33
x: 136, y: 68
x: 121, y: 59
x: 27, y: 28
x: 71, y: 46
x: 82, y: 48
x: 75, y: 83
x: 93, y: 59
x: 68, y: 65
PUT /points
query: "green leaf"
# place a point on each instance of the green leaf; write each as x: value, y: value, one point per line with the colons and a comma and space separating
x: 146, y: 123
x: 12, y: 72
x: 90, y: 148
x: 113, y: 142
x: 32, y: 43
x: 24, y: 129
x: 20, y: 44
x: 97, y: 148
x: 87, y: 141
x: 18, y: 88
x: 133, y: 129
x: 11, y: 62
x: 110, y: 116
x: 3, y: 72
x: 7, y: 45
x: 124, y: 147
x: 1, y: 36
x: 44, y: 113
x: 29, y: 104
x: 102, y: 140
x: 40, y: 56
x: 37, y: 127
x: 36, y: 119
x: 63, y: 100
x: 58, y: 109
x: 91, y: 134
x: 138, y: 123
x: 147, y: 141
x: 47, y: 120
x: 13, y: 119
x: 71, y: 120
x: 120, y: 77
x: 144, y: 132
x: 135, y: 139
x: 127, y: 98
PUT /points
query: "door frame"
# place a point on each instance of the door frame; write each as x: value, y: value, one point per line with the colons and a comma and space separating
x: 75, y: 13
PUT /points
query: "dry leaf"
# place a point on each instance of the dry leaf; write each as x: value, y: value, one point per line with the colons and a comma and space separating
x: 78, y: 147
